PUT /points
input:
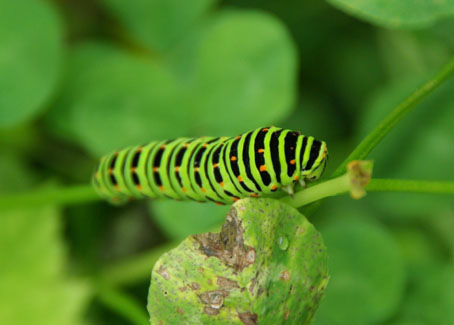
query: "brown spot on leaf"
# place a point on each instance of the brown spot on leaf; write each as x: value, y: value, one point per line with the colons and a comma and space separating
x: 195, y: 286
x: 250, y: 256
x: 163, y: 272
x: 226, y: 284
x: 248, y: 318
x: 214, y: 298
x: 182, y: 289
x: 285, y: 275
x: 210, y: 311
x: 180, y: 311
x: 228, y: 245
x: 287, y: 313
x: 252, y: 286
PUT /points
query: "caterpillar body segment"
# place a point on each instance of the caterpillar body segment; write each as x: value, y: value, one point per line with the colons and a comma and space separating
x: 220, y: 170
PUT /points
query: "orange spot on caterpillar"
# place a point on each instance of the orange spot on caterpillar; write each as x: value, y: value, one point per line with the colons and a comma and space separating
x: 117, y: 187
x: 263, y: 168
x: 139, y: 187
x: 177, y: 168
x: 273, y: 187
x: 184, y: 189
x: 196, y: 169
x: 161, y: 188
x: 261, y: 150
x: 205, y: 145
x: 233, y: 158
x: 296, y: 177
x: 216, y: 165
x: 222, y: 184
x: 291, y: 148
x: 185, y: 145
x: 110, y: 171
x: 139, y: 149
x: 238, y: 137
x: 155, y: 169
x: 133, y: 169
x: 265, y: 129
x: 219, y: 203
x: 236, y: 199
x: 292, y: 162
x: 203, y: 189
x: 254, y: 195
x: 240, y: 179
x: 162, y: 146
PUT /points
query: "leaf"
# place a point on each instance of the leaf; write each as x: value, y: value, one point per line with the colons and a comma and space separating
x: 239, y: 65
x: 30, y: 58
x: 113, y: 99
x: 397, y: 14
x: 268, y: 265
x: 33, y: 287
x: 241, y: 70
x: 367, y: 274
x: 158, y: 24
x: 181, y: 219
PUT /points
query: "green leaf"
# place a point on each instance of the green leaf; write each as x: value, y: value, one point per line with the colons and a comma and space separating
x: 33, y: 287
x: 367, y: 274
x: 241, y: 72
x: 31, y: 53
x: 268, y: 265
x: 113, y: 99
x: 397, y: 14
x: 240, y: 64
x: 158, y: 24
x: 181, y: 219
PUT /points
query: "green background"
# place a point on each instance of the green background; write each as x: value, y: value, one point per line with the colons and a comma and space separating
x: 79, y: 78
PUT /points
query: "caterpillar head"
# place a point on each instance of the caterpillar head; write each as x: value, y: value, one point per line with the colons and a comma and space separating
x: 319, y: 156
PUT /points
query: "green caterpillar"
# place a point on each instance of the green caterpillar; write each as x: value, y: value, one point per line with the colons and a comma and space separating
x: 221, y: 170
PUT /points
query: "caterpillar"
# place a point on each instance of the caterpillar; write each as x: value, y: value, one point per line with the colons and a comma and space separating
x: 221, y: 170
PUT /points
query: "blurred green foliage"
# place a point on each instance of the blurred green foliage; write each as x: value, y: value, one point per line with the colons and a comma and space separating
x: 79, y: 78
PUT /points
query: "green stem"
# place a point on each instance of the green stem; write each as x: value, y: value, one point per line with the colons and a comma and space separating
x: 317, y: 192
x: 370, y: 141
x: 123, y: 304
x: 60, y: 196
x: 403, y: 185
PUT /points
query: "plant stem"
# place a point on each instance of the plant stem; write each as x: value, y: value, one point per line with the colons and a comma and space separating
x: 340, y: 185
x: 123, y: 304
x: 317, y: 192
x: 373, y: 138
x: 66, y: 195
x: 403, y: 185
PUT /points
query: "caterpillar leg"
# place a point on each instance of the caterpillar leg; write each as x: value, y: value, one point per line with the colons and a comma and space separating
x: 302, y: 182
x: 288, y: 189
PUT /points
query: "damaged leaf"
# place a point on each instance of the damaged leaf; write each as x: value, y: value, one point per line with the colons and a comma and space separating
x: 242, y: 275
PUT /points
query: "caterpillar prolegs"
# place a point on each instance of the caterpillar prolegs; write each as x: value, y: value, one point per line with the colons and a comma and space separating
x: 221, y: 170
